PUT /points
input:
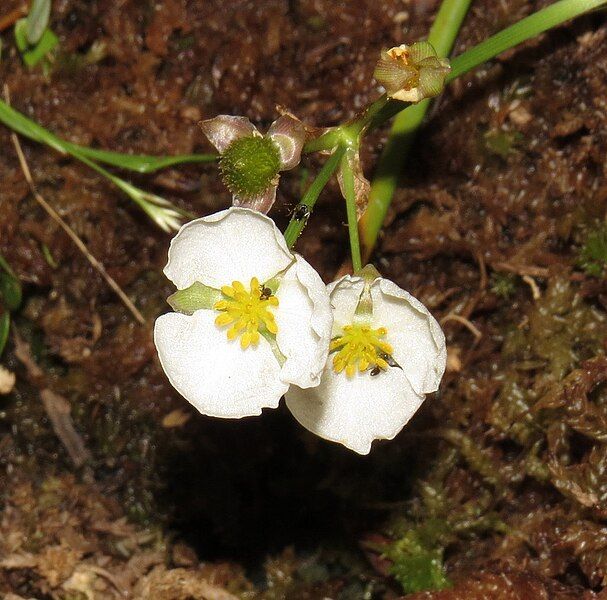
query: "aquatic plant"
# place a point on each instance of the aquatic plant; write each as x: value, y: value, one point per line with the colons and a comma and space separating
x: 368, y: 343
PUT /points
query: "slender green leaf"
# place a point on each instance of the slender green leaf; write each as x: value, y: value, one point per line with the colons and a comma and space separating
x: 140, y: 163
x: 32, y: 55
x: 37, y: 20
x: 48, y: 257
x: 10, y: 287
x: 525, y: 29
x: 10, y: 292
x: 6, y: 267
x: 5, y: 325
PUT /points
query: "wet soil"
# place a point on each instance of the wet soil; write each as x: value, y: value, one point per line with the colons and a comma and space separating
x: 501, y: 476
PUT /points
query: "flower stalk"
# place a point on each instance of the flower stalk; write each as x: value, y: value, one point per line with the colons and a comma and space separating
x: 348, y: 188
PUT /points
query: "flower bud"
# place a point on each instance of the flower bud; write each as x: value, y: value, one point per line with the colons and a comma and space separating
x: 412, y: 73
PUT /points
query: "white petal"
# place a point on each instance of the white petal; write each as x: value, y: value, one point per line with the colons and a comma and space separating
x: 345, y: 294
x: 354, y: 411
x: 262, y: 202
x: 225, y: 129
x: 416, y: 337
x: 289, y: 134
x: 231, y: 245
x: 215, y: 375
x: 304, y: 322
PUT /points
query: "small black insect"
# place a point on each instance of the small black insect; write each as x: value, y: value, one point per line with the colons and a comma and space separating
x: 375, y: 371
x: 301, y: 212
x: 388, y: 358
x: 264, y: 292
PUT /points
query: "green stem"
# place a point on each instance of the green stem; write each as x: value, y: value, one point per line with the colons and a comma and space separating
x: 407, y: 122
x: 349, y: 133
x: 442, y: 36
x: 296, y: 225
x: 350, y: 195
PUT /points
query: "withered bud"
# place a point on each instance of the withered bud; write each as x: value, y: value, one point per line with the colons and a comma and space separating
x: 412, y: 73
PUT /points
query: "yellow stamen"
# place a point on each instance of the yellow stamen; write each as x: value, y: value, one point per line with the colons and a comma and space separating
x: 246, y: 311
x: 360, y: 348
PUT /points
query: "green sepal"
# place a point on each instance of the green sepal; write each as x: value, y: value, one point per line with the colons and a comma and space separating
x: 369, y: 273
x: 271, y: 339
x: 420, y: 51
x: 364, y: 308
x: 274, y: 282
x: 197, y: 296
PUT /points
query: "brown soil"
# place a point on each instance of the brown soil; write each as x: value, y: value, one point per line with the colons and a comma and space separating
x: 505, y: 188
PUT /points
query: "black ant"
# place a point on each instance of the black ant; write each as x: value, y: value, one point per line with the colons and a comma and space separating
x: 264, y: 292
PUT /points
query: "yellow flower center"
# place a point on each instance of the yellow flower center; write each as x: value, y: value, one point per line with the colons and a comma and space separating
x: 246, y: 311
x: 360, y: 348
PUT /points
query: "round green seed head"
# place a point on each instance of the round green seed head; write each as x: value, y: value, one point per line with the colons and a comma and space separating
x: 249, y: 165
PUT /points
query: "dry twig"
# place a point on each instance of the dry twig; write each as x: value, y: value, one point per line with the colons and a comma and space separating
x: 12, y: 17
x: 465, y: 322
x: 535, y: 290
x: 58, y: 410
x: 70, y: 232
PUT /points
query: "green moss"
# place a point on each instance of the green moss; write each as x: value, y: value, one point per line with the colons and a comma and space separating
x: 503, y: 284
x: 593, y: 254
x: 559, y: 331
x: 417, y: 557
x: 501, y: 143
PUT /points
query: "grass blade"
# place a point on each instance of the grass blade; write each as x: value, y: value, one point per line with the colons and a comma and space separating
x: 37, y: 20
x: 5, y: 325
x: 139, y: 163
x: 525, y: 29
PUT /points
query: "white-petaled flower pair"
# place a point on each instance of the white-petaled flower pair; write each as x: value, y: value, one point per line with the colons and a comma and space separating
x: 255, y: 322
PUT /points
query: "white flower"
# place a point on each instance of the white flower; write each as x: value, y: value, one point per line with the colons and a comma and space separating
x: 259, y: 320
x: 387, y: 353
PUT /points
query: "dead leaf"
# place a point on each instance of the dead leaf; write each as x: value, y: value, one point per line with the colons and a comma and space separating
x: 176, y: 418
